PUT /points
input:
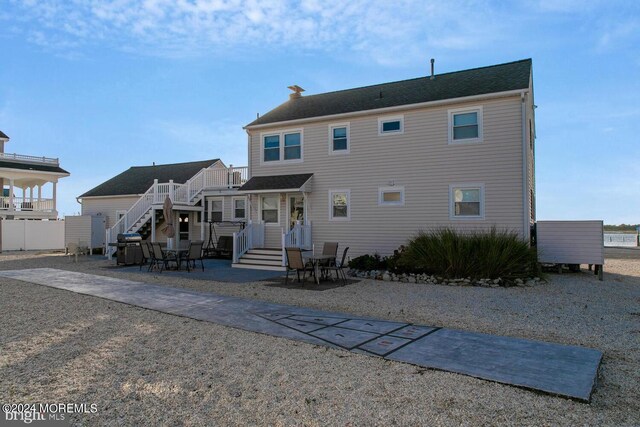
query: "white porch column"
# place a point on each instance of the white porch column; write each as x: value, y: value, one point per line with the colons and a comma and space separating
x: 203, y: 203
x: 153, y: 224
x: 171, y: 190
x: 11, y: 194
x: 31, y: 195
x: 39, y: 193
x: 54, y: 196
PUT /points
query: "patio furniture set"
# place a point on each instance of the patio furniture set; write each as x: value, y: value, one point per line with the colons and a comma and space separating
x: 319, y: 266
x: 162, y: 258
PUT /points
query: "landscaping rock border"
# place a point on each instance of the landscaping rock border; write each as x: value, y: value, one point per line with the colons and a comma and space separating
x: 427, y: 279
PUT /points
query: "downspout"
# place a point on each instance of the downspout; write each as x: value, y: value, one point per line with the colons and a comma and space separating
x: 525, y: 172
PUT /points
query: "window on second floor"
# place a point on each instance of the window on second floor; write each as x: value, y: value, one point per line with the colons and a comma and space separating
x: 387, y: 125
x: 282, y: 147
x: 465, y: 125
x: 339, y: 205
x: 339, y: 138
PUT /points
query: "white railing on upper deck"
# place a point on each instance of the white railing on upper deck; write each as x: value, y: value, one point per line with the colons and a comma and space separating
x: 178, y: 194
x: 26, y: 158
x: 216, y: 178
x: 298, y: 237
x: 26, y: 204
x: 251, y: 236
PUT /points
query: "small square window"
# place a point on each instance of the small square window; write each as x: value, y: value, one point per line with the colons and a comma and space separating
x: 391, y: 196
x: 391, y: 125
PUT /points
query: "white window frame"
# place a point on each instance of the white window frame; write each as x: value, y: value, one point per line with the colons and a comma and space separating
x: 466, y: 186
x: 332, y: 126
x: 210, y: 201
x: 233, y: 208
x: 453, y: 112
x: 281, y: 135
x: 339, y: 219
x: 391, y: 189
x: 386, y: 119
x: 270, y: 224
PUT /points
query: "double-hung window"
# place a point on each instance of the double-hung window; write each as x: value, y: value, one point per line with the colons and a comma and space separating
x: 466, y: 201
x: 339, y: 205
x: 292, y: 146
x: 339, y: 138
x: 215, y: 210
x: 281, y: 147
x: 465, y: 125
x: 389, y: 125
x: 239, y: 208
x: 270, y: 207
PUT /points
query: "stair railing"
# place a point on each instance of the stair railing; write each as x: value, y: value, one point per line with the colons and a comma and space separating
x: 251, y: 236
x: 298, y: 237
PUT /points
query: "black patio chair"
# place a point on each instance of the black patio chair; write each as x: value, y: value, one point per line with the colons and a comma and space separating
x: 146, y: 255
x: 194, y: 254
x: 339, y: 268
x: 161, y: 258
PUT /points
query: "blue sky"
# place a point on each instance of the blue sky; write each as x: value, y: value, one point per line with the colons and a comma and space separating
x: 107, y: 84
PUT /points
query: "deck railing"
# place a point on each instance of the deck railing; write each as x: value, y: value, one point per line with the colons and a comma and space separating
x: 252, y: 236
x: 30, y: 159
x: 298, y: 237
x: 26, y: 204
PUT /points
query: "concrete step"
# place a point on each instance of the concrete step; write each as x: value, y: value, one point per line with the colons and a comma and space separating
x: 276, y: 262
x: 259, y: 267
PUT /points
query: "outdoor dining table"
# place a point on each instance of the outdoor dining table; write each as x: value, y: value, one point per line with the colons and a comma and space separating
x: 179, y: 252
x: 315, y: 261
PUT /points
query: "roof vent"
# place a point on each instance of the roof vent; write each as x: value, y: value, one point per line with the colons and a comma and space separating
x: 432, y: 63
x: 297, y: 91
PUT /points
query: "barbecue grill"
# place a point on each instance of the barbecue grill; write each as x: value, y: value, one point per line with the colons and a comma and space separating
x: 128, y: 249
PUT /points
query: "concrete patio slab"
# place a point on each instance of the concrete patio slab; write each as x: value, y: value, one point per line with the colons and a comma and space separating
x: 568, y: 371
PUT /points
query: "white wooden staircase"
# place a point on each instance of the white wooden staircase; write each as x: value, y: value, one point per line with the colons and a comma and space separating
x: 261, y: 259
x: 187, y: 194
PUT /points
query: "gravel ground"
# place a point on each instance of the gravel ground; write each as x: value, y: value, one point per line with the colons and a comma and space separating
x: 147, y: 368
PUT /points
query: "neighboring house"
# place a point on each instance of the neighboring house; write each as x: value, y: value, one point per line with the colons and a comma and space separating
x: 133, y: 200
x: 370, y: 167
x: 29, y: 185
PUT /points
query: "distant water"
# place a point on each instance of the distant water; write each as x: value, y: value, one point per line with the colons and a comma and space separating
x: 620, y: 239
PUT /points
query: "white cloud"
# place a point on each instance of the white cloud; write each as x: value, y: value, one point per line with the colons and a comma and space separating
x: 383, y: 30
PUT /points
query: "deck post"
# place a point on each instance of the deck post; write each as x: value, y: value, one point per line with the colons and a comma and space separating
x: 55, y: 184
x: 153, y: 224
x: 11, y: 208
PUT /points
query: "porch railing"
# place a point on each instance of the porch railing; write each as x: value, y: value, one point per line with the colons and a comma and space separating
x: 298, y: 237
x: 26, y: 204
x: 30, y: 159
x: 252, y: 236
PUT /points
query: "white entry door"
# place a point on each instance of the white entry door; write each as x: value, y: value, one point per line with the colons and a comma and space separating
x: 295, y: 209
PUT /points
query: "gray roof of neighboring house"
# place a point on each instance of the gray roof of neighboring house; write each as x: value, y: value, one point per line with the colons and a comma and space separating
x: 138, y: 179
x: 3, y: 135
x: 458, y: 84
x: 32, y: 167
x: 276, y: 182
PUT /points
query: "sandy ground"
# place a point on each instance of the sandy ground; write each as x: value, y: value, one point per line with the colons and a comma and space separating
x: 147, y: 368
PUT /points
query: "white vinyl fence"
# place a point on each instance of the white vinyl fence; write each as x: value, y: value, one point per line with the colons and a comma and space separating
x: 621, y: 239
x: 20, y: 235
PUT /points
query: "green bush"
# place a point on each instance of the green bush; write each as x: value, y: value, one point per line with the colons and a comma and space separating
x: 478, y: 255
x: 368, y: 263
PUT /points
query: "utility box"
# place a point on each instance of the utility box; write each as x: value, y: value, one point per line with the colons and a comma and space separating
x: 571, y: 243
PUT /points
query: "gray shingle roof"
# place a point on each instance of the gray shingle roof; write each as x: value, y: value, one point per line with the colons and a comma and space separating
x: 476, y: 81
x: 32, y: 167
x: 3, y: 135
x: 276, y: 182
x: 138, y: 179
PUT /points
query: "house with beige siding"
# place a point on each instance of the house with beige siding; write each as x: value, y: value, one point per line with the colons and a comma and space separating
x: 369, y: 167
x: 202, y: 192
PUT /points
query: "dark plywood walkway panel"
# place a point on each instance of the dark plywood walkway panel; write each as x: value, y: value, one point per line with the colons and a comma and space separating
x: 568, y: 371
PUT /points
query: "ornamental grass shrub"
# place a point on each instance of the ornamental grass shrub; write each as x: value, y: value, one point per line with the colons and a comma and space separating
x: 487, y: 254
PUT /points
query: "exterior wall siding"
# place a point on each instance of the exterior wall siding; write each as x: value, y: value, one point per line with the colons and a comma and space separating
x: 107, y: 206
x: 421, y: 160
x: 571, y: 242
